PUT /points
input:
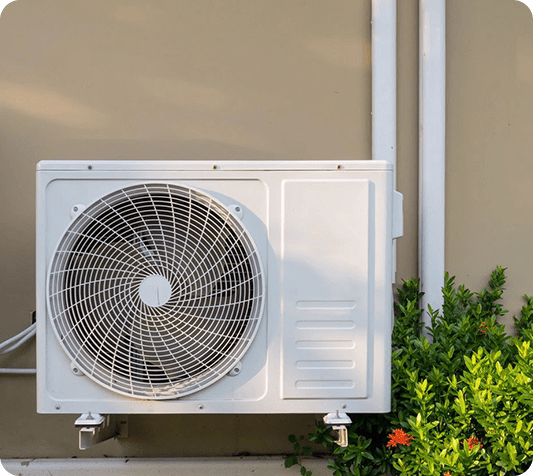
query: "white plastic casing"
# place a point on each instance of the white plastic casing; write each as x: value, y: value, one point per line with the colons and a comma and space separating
x: 324, y: 231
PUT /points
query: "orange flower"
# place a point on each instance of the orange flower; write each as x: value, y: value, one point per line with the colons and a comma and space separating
x: 473, y: 442
x: 399, y: 437
x: 447, y: 474
x: 483, y: 327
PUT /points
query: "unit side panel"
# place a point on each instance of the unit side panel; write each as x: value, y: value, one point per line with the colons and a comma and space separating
x: 324, y: 275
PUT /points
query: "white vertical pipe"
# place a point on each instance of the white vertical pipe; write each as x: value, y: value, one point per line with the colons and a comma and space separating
x: 432, y: 126
x: 384, y: 88
x: 384, y: 81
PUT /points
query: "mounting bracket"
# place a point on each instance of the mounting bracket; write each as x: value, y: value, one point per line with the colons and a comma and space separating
x: 95, y: 428
x: 338, y: 421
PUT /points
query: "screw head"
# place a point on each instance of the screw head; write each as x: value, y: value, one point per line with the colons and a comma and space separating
x: 200, y: 407
x: 58, y: 407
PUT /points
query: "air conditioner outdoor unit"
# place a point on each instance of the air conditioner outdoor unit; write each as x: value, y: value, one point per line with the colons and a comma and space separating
x: 215, y: 287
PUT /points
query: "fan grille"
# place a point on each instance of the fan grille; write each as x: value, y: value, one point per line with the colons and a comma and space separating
x: 155, y: 291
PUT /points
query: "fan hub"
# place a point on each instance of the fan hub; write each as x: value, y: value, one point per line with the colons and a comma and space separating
x: 155, y: 291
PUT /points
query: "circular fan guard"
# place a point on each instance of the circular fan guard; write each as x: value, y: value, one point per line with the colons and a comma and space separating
x: 155, y: 291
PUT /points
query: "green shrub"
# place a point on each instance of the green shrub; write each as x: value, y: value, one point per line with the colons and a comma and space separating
x: 461, y: 404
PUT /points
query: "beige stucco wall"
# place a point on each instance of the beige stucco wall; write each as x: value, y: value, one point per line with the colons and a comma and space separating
x: 489, y: 144
x: 199, y: 79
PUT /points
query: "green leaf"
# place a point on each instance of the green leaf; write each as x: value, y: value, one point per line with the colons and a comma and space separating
x: 292, y: 438
x: 518, y: 426
x: 291, y: 461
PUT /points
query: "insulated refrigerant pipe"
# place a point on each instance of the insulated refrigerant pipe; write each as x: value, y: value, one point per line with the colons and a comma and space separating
x: 384, y: 87
x: 432, y: 126
x: 384, y: 81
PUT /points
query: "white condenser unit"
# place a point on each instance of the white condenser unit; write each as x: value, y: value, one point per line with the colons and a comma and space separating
x: 215, y: 287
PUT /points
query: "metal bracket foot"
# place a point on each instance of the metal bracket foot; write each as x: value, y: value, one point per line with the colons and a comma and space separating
x: 343, y: 435
x: 95, y: 428
x: 338, y: 421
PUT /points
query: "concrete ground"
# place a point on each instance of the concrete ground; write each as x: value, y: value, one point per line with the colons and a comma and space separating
x: 241, y: 466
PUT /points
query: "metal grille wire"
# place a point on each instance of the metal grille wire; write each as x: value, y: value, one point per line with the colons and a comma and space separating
x: 155, y: 291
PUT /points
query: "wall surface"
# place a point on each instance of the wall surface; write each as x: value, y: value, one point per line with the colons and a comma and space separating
x: 245, y: 80
x: 489, y: 145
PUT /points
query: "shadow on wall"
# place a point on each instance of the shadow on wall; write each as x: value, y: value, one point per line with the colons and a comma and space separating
x: 132, y: 149
x: 279, y: 79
